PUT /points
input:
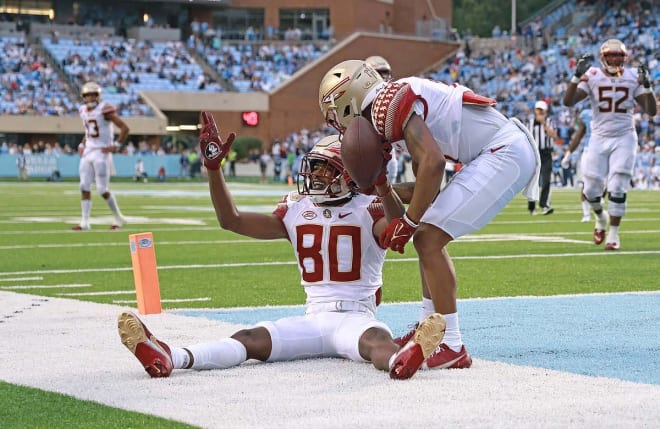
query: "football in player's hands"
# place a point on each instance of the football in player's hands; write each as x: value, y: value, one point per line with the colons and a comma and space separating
x: 211, y: 145
x: 583, y: 64
x: 363, y: 152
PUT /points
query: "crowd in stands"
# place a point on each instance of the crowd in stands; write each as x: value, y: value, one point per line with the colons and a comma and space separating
x: 536, y: 64
x: 28, y: 84
x: 522, y: 74
x: 256, y: 67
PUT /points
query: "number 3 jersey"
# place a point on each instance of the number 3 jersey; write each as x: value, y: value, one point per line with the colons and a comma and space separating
x: 99, y: 131
x: 338, y: 256
x: 612, y: 100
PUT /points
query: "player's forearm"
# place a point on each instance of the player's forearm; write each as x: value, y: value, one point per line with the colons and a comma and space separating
x: 569, y: 96
x: 649, y: 103
x: 427, y: 186
x: 404, y: 191
x: 223, y: 203
x: 391, y: 202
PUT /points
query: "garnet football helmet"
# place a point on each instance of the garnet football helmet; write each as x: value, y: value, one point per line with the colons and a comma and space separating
x: 346, y: 90
x: 613, y: 56
x: 381, y: 65
x: 322, y: 176
x: 91, y: 88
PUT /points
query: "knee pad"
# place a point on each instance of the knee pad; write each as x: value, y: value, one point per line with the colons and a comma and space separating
x: 593, y: 188
x: 618, y: 185
x: 617, y: 204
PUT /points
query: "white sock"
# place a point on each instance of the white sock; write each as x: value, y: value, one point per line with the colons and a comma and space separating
x: 613, y: 234
x: 452, y: 332
x: 180, y: 358
x: 114, y: 208
x: 221, y: 354
x: 586, y: 208
x: 427, y: 309
x: 86, y: 206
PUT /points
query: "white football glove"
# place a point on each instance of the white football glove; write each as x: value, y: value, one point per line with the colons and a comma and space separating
x: 566, y: 160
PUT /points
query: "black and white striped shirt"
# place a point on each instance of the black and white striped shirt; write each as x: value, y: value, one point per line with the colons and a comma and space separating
x: 543, y: 140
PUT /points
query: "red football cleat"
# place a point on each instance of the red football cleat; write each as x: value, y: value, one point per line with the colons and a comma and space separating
x: 599, y: 235
x: 444, y: 357
x: 403, y: 340
x: 80, y: 228
x: 114, y: 227
x: 426, y: 339
x: 154, y: 355
x: 612, y: 246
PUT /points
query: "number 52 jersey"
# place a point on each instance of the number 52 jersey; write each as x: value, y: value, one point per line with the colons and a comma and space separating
x: 612, y: 100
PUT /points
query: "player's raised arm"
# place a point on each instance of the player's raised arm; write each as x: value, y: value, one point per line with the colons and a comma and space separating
x: 214, y: 149
x: 647, y: 98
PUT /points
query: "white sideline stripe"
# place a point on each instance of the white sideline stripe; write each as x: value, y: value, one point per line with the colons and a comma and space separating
x: 279, y: 263
x: 131, y: 227
x: 21, y: 279
x: 66, y: 230
x: 160, y: 243
x: 406, y: 303
x: 71, y: 285
x: 555, y: 237
x: 109, y: 292
x: 133, y: 301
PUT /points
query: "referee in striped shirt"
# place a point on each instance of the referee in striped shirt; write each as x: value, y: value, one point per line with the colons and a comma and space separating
x: 545, y: 133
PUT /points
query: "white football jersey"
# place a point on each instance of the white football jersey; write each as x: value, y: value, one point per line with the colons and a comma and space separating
x: 99, y: 131
x: 461, y: 130
x: 612, y: 100
x: 338, y: 256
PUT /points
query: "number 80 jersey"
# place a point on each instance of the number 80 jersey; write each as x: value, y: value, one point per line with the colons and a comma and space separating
x: 612, y: 100
x: 338, y: 256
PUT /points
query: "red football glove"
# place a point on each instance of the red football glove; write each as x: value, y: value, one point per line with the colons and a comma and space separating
x: 213, y: 148
x: 397, y: 233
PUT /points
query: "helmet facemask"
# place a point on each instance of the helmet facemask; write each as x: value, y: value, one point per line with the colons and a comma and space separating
x: 88, y: 90
x: 322, y: 176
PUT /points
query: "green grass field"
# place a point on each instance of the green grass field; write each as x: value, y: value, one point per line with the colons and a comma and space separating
x: 202, y: 266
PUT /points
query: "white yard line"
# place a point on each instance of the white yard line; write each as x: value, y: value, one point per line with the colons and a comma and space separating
x: 279, y: 263
x: 71, y: 285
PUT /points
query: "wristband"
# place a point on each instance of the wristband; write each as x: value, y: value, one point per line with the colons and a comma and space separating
x: 647, y: 90
x: 575, y: 80
x: 408, y: 221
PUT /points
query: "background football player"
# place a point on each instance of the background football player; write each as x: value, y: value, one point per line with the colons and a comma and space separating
x: 334, y: 232
x: 99, y: 118
x: 613, y: 90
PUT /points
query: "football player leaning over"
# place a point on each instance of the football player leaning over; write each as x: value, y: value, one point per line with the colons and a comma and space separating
x: 608, y: 163
x: 341, y: 277
x: 434, y: 122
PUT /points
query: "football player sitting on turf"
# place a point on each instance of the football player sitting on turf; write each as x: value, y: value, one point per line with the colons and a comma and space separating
x: 334, y: 232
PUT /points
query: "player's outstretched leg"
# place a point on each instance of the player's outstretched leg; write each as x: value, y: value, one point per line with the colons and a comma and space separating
x: 427, y: 337
x: 154, y: 355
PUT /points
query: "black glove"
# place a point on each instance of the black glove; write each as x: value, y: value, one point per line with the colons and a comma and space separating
x: 583, y: 64
x: 644, y: 76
